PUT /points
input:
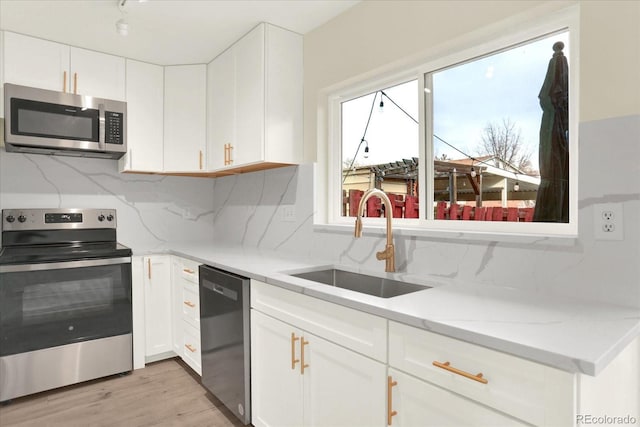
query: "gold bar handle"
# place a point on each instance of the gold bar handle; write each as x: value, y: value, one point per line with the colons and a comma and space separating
x: 200, y: 160
x: 447, y: 366
x: 189, y: 304
x: 226, y: 154
x: 302, y: 364
x: 64, y: 82
x: 390, y: 412
x: 75, y: 83
x: 188, y: 270
x: 149, y: 268
x: 190, y: 348
x: 230, y: 159
x: 293, y: 350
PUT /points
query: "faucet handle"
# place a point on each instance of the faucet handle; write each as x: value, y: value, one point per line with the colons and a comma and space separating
x: 389, y: 255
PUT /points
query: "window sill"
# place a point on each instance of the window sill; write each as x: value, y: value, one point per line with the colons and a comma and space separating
x: 452, y: 235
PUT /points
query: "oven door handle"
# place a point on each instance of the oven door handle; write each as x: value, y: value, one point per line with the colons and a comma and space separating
x: 66, y: 264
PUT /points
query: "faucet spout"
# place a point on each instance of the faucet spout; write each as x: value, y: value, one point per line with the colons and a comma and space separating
x: 388, y: 254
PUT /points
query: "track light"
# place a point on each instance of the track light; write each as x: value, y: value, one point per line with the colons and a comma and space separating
x: 122, y: 26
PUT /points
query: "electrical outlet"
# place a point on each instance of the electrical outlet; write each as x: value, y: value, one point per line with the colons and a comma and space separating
x: 289, y: 213
x: 608, y: 215
x: 607, y: 221
x: 608, y: 227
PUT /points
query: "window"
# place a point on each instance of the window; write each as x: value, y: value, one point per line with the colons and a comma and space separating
x: 478, y: 141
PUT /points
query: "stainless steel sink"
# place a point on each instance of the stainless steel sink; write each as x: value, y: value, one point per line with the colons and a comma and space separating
x: 370, y: 285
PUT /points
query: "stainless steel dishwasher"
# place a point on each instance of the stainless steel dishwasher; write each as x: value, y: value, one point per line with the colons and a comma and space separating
x: 225, y: 339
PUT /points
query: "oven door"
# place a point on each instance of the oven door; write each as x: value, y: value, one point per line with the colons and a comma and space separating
x: 53, y: 304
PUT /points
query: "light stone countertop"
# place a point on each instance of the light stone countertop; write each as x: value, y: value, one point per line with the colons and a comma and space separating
x: 571, y: 335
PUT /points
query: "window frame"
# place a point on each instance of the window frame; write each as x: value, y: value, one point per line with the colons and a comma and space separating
x: 488, y: 40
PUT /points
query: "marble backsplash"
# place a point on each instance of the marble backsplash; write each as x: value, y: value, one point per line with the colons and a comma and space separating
x: 250, y: 210
x: 151, y: 209
x: 273, y: 211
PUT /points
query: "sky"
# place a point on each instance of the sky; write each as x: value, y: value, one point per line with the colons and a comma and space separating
x: 465, y: 97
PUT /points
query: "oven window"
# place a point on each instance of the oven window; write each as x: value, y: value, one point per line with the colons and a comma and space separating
x: 48, y: 308
x: 46, y: 301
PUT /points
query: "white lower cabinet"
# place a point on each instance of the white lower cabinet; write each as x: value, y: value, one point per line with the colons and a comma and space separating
x: 299, y: 379
x: 418, y: 403
x: 276, y: 381
x: 186, y: 312
x: 157, y: 306
x: 525, y: 390
x: 315, y: 363
x: 343, y: 388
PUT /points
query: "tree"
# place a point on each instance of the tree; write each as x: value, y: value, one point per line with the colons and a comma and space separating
x: 505, y: 142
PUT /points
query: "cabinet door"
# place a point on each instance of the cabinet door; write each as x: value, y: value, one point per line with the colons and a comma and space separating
x: 221, y: 112
x: 185, y: 118
x: 276, y: 381
x: 145, y: 114
x: 29, y: 61
x: 420, y: 404
x: 283, y: 96
x: 341, y: 387
x: 97, y: 74
x: 191, y: 351
x: 157, y: 304
x: 250, y: 87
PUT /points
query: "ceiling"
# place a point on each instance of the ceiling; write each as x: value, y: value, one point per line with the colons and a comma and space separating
x: 161, y: 31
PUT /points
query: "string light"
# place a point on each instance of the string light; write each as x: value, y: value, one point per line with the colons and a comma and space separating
x: 516, y: 186
x: 366, y: 150
x: 473, y: 172
x: 381, y: 107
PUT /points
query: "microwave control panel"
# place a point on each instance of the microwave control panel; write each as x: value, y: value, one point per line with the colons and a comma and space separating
x: 113, y: 127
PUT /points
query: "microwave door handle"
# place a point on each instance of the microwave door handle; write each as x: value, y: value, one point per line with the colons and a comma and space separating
x: 102, y: 132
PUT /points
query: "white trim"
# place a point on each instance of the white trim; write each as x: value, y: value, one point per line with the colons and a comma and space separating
x: 489, y: 39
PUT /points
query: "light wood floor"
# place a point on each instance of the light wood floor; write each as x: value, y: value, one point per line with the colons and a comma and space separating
x: 164, y: 393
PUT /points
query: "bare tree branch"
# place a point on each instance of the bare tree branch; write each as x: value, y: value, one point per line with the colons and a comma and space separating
x: 504, y: 142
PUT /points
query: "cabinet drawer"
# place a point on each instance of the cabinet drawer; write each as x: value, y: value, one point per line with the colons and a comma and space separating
x: 358, y: 331
x: 189, y: 270
x: 191, y: 305
x: 191, y: 348
x: 526, y: 390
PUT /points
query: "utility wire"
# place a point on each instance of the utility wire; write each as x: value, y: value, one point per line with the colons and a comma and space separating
x: 382, y: 93
x: 363, y: 135
x: 436, y: 136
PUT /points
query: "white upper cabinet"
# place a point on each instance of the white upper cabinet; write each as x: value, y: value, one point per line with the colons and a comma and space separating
x: 255, y: 101
x: 185, y: 103
x: 145, y: 133
x: 221, y: 107
x: 250, y: 95
x: 97, y: 74
x: 30, y: 61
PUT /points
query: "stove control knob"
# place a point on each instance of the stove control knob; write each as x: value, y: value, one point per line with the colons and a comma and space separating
x: 10, y: 218
x: 22, y: 218
x: 100, y: 217
x: 109, y: 217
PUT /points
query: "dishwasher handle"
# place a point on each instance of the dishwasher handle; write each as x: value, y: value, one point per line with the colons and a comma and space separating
x: 226, y: 292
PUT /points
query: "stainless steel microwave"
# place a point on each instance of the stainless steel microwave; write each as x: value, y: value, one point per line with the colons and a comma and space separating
x: 47, y: 122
